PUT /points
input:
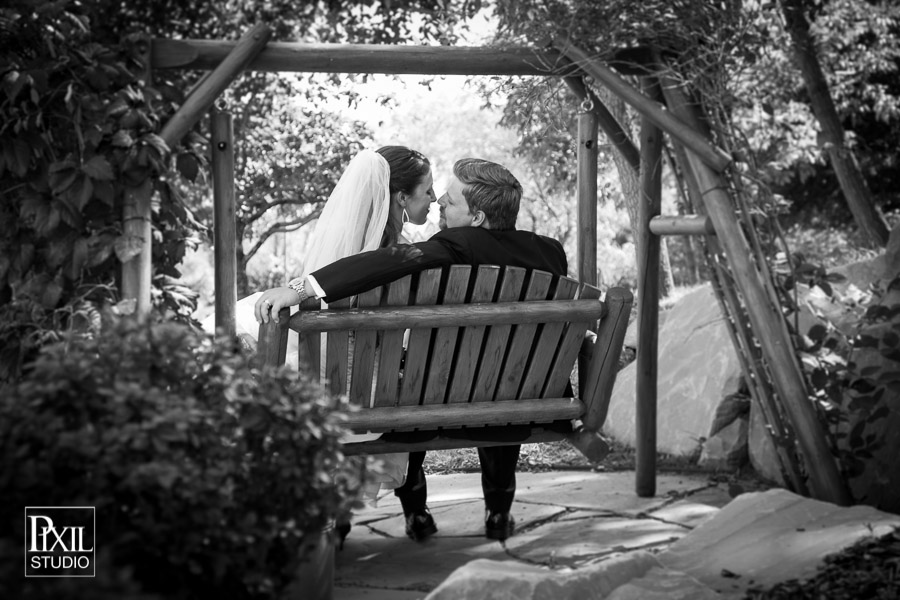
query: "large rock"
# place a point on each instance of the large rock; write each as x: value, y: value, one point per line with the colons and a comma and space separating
x: 764, y: 538
x: 508, y: 580
x: 697, y: 368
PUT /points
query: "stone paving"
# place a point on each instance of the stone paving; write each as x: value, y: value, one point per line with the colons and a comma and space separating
x: 588, y: 535
x: 564, y: 519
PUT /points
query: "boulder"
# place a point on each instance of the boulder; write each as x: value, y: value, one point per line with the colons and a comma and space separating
x: 697, y: 368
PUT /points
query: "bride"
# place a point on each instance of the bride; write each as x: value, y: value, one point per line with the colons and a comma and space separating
x: 381, y: 199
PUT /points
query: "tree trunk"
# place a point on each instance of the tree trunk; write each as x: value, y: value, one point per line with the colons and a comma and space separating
x: 852, y: 182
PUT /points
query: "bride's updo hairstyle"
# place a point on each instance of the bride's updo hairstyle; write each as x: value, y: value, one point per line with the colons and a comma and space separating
x: 408, y: 169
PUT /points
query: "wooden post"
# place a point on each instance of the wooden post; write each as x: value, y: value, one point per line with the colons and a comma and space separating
x: 137, y: 273
x: 607, y: 122
x: 205, y: 94
x: 587, y: 196
x: 648, y: 304
x: 225, y: 227
x: 715, y: 157
x: 765, y: 319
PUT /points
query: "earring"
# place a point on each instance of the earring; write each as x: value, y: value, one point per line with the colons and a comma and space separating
x: 404, y: 218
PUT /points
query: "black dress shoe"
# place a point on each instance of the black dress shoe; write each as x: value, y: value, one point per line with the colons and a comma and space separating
x: 342, y: 528
x: 420, y: 525
x: 499, y: 526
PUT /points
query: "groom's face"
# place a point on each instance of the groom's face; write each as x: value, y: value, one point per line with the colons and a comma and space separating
x: 454, y: 208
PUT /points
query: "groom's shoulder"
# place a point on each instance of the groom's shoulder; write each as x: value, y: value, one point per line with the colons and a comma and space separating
x: 473, y: 233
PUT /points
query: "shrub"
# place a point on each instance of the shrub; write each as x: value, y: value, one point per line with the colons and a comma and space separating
x: 206, y: 474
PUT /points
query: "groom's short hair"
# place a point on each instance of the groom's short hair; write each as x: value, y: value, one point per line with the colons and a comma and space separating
x: 490, y: 188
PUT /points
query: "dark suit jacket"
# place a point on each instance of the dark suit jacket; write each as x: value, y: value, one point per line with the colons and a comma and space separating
x: 458, y: 246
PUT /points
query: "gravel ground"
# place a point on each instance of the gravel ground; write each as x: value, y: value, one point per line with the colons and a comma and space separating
x: 868, y: 569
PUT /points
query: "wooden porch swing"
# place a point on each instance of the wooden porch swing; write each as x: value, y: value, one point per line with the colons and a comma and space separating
x: 757, y: 327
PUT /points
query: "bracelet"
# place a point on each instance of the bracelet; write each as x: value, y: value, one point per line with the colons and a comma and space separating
x: 299, y: 285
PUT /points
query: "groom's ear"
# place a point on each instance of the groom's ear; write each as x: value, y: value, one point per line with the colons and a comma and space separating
x: 479, y: 219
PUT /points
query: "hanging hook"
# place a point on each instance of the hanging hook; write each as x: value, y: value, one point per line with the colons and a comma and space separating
x: 587, y: 105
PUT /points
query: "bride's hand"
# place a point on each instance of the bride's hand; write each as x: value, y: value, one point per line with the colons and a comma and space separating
x: 272, y: 301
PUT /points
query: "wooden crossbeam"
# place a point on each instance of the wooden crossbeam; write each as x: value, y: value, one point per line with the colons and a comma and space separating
x: 360, y: 58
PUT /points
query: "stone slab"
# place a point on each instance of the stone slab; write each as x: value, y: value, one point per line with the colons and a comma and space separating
x: 664, y: 584
x: 764, y: 538
x: 586, y: 537
x: 686, y: 513
x: 510, y: 580
x: 367, y: 593
x: 399, y: 563
x: 613, y: 491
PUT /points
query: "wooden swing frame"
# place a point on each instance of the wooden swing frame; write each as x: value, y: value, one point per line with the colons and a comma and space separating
x: 702, y: 162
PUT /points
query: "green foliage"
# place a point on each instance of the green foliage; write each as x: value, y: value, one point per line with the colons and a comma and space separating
x: 853, y: 393
x: 207, y: 475
x: 78, y: 139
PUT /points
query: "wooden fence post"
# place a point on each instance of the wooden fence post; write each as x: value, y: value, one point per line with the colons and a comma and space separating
x: 225, y: 227
x: 648, y: 304
x: 587, y: 196
x: 137, y: 272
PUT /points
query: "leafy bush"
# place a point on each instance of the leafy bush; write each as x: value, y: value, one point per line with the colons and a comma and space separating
x: 207, y: 475
x: 853, y: 370
x: 80, y: 139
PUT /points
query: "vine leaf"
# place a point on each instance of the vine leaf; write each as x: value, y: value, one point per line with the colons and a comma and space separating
x: 128, y: 246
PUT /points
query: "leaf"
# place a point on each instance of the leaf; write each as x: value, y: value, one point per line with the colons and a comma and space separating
x: 156, y: 142
x: 188, y: 166
x: 104, y: 192
x: 861, y: 386
x: 98, y: 168
x: 880, y: 413
x: 100, y: 248
x: 865, y: 341
x: 51, y: 293
x: 23, y: 157
x: 121, y: 139
x: 819, y: 378
x: 80, y: 193
x: 127, y: 247
x: 79, y: 258
x: 817, y: 332
x: 825, y: 287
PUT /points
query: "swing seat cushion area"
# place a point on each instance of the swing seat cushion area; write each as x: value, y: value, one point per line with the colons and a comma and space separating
x: 462, y: 357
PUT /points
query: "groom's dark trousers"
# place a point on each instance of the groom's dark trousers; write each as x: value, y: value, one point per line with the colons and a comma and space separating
x: 462, y: 245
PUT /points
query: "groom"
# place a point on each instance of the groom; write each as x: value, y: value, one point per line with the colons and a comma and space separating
x: 478, y: 217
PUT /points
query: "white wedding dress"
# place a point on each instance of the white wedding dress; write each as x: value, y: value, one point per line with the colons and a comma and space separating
x: 352, y: 221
